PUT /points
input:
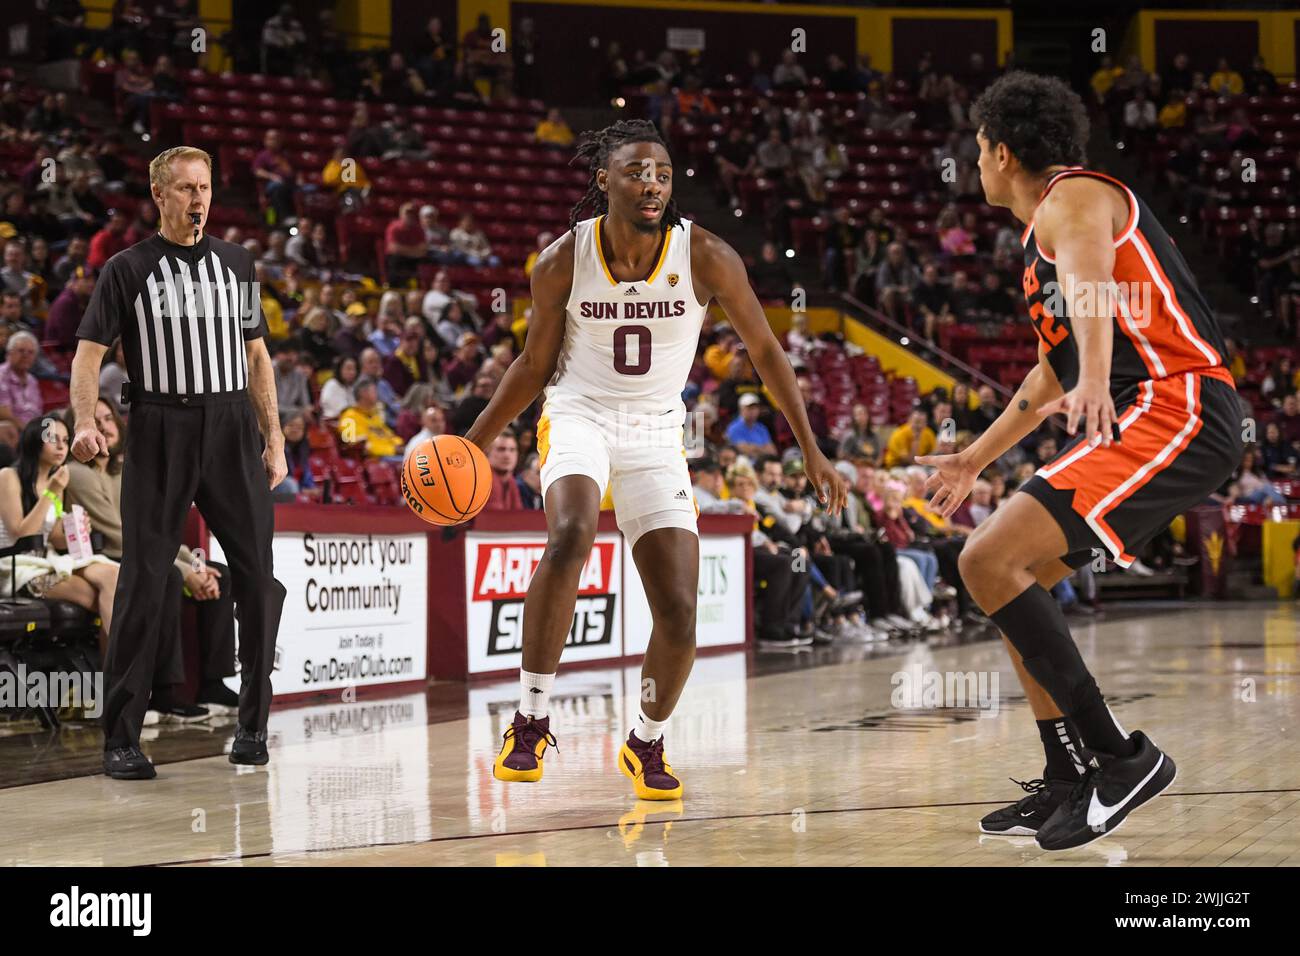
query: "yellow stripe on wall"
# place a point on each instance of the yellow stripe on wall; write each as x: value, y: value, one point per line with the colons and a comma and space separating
x: 368, y: 23
x: 216, y: 16
x: 1276, y: 35
x: 875, y: 27
x: 99, y: 14
x: 1278, y: 570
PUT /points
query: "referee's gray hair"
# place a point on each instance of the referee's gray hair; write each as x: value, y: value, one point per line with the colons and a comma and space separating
x: 160, y: 168
x: 23, y: 336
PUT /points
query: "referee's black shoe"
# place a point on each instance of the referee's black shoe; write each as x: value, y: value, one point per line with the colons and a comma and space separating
x: 1028, y: 814
x: 128, y: 763
x: 1112, y: 788
x: 249, y: 748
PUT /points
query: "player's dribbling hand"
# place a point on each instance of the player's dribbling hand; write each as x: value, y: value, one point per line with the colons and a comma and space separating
x: 89, y: 443
x: 831, y: 488
x: 1090, y: 401
x: 951, y: 481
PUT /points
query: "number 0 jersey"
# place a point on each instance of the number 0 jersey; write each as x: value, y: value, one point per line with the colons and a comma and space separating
x: 1164, y: 326
x: 628, y: 345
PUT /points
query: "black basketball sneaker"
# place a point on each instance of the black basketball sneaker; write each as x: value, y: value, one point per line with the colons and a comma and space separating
x: 1026, y: 815
x: 1112, y: 788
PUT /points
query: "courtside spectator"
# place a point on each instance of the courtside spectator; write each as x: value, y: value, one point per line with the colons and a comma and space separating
x: 365, y: 422
x: 529, y: 481
x: 433, y: 423
x: 110, y: 240
x: 747, y: 433
x: 66, y: 310
x: 292, y: 389
x: 297, y: 456
x: 471, y: 244
x: 348, y: 179
x: 437, y: 238
x: 472, y: 404
x: 502, y: 457
x: 405, y: 246
x: 895, y: 279
x: 553, y: 131
x: 336, y: 394
x: 544, y: 239
x: 464, y: 364
x: 406, y: 365
x: 272, y: 168
x: 20, y: 393
x: 909, y: 440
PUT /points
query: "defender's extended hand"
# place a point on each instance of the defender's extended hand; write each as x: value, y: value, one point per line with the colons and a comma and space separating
x: 951, y: 481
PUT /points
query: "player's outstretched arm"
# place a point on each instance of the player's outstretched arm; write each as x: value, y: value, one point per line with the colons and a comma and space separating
x: 529, y: 373
x: 954, y: 475
x: 718, y: 272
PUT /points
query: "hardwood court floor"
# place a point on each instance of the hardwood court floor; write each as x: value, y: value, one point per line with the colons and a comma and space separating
x: 786, y: 759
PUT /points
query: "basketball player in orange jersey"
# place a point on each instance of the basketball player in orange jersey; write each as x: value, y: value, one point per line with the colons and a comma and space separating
x: 618, y: 303
x: 1129, y: 348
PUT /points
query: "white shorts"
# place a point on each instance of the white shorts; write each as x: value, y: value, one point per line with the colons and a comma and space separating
x: 637, y: 461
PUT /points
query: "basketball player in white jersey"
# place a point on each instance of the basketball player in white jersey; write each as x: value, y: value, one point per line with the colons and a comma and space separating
x: 618, y: 302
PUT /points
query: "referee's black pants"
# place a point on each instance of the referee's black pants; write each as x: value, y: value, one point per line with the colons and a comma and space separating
x: 205, y: 450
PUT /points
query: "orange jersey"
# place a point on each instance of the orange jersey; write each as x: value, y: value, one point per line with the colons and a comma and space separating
x: 1164, y: 327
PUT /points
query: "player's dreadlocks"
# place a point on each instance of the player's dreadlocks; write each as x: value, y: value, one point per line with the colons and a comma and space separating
x: 594, y: 147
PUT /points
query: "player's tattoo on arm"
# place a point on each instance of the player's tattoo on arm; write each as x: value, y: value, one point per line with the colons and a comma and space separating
x: 1024, y: 405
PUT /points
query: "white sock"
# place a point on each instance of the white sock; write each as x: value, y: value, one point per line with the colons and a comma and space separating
x: 648, y: 731
x: 535, y: 693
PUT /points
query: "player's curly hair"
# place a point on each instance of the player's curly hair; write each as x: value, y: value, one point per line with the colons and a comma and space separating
x: 594, y: 149
x: 1040, y: 119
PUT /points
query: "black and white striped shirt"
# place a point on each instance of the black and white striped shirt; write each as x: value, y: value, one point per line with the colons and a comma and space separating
x: 183, y: 313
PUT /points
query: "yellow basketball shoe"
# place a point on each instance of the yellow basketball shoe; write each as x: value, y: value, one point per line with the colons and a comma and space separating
x: 632, y: 824
x: 523, y: 744
x: 652, y: 778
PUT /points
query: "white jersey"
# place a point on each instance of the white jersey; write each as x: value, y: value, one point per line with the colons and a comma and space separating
x: 628, y: 345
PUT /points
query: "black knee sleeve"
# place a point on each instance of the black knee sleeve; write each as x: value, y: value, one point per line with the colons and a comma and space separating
x: 1035, y: 626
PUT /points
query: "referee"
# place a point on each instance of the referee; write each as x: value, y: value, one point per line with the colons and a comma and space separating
x: 204, y: 430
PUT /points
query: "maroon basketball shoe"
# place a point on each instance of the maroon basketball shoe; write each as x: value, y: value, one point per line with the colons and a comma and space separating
x: 652, y: 778
x: 523, y: 744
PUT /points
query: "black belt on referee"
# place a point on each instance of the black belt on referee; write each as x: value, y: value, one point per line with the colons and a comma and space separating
x: 131, y: 394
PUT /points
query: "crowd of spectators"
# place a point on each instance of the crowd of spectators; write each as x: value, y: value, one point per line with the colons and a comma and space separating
x: 1204, y: 131
x: 962, y: 269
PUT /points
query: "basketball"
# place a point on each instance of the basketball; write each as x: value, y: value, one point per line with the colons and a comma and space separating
x: 446, y: 480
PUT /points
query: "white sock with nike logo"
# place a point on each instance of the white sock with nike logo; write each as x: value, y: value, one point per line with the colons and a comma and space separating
x: 648, y: 731
x: 535, y: 693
